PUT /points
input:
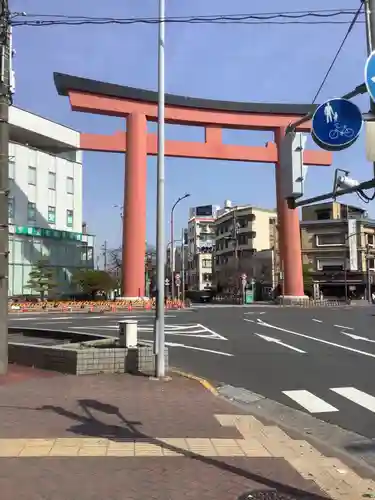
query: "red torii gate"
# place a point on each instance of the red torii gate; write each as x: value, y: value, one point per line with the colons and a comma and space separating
x: 138, y: 106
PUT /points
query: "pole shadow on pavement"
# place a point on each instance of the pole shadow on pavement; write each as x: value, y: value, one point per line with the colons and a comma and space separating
x: 88, y: 425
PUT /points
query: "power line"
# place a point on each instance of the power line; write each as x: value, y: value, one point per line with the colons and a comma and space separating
x: 206, y: 16
x: 356, y: 16
x: 296, y: 17
x: 249, y: 23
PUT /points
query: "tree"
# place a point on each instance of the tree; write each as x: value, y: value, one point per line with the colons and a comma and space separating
x: 115, y: 262
x: 42, y: 278
x: 92, y: 281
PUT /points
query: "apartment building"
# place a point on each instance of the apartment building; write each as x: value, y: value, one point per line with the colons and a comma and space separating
x: 241, y: 232
x: 338, y: 246
x: 45, y: 201
x: 200, y: 243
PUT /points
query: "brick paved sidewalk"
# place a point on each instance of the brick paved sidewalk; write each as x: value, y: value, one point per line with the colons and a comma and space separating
x: 128, y: 438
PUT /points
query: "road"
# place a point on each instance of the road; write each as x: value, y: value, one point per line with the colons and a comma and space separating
x: 321, y: 361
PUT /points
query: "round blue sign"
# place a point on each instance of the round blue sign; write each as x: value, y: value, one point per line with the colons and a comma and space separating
x: 336, y: 124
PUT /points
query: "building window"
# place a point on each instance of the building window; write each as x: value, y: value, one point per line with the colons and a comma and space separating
x: 206, y: 263
x: 371, y: 264
x: 52, y: 215
x: 330, y: 264
x: 10, y: 208
x: 370, y: 240
x: 243, y: 239
x: 52, y: 181
x: 31, y: 212
x: 323, y: 214
x: 69, y: 218
x: 11, y: 169
x: 327, y: 240
x: 32, y: 176
x: 70, y: 185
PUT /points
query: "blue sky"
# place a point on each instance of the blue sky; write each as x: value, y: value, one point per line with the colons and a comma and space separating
x: 233, y: 62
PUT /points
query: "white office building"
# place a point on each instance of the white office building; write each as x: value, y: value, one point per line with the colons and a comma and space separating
x: 45, y: 201
x: 201, y: 245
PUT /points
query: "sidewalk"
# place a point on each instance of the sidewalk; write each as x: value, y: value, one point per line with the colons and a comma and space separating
x: 130, y: 438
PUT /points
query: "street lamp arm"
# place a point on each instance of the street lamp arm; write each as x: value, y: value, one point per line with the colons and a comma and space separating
x: 186, y: 195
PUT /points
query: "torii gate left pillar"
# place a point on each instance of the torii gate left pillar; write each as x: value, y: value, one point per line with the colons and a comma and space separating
x: 134, y: 218
x: 138, y: 106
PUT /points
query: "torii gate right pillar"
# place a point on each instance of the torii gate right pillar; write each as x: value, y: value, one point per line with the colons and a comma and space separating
x: 289, y: 236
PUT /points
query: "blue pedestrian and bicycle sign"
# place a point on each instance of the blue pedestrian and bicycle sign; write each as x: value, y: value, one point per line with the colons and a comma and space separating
x: 370, y: 75
x: 336, y: 124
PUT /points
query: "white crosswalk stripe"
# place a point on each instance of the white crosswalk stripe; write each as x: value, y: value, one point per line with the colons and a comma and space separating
x: 310, y: 402
x: 356, y: 396
x: 314, y: 404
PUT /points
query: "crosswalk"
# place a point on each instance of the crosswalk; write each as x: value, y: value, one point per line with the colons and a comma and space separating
x: 316, y: 405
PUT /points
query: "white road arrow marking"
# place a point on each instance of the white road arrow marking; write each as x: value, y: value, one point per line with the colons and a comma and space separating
x: 357, y: 337
x: 277, y: 341
x: 315, y: 339
x: 174, y: 344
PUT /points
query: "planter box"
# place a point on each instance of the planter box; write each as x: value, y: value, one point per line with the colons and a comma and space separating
x: 87, y: 358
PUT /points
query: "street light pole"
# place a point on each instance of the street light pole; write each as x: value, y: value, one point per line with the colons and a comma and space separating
x: 183, y: 266
x: 159, y: 339
x: 186, y: 195
x: 121, y: 210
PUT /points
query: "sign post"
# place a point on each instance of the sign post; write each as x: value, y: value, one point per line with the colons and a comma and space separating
x: 243, y: 283
x: 336, y: 124
x: 177, y: 280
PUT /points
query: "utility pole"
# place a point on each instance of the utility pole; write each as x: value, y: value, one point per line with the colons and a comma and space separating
x: 5, y: 98
x: 159, y: 337
x: 235, y: 238
x: 370, y: 35
x: 105, y: 253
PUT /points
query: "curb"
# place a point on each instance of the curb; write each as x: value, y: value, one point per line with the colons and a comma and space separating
x: 203, y: 382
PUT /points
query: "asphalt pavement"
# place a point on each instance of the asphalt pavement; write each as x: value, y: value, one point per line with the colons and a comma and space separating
x: 317, y: 360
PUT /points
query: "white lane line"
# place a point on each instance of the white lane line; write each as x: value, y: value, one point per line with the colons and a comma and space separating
x: 356, y: 396
x: 214, y: 334
x: 316, y: 339
x: 309, y: 401
x: 174, y: 344
x: 277, y: 341
x: 48, y: 322
x: 317, y: 320
x: 35, y: 319
x: 357, y: 337
x: 249, y: 320
x: 344, y: 327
